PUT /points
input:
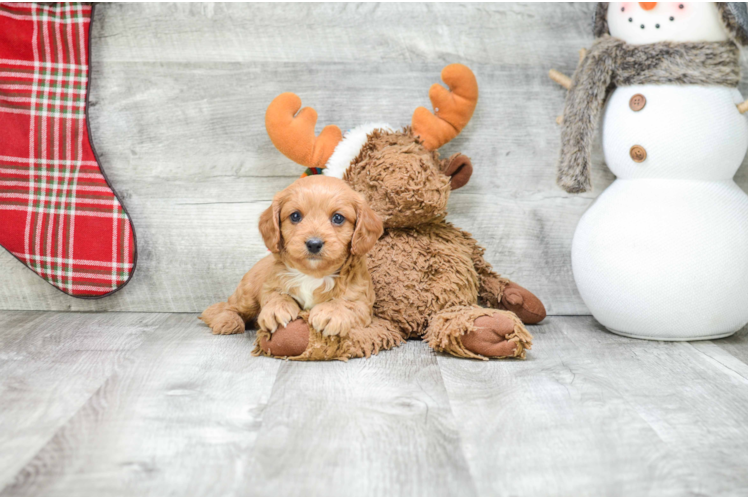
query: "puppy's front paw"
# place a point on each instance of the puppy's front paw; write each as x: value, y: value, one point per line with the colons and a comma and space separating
x: 278, y: 314
x: 331, y: 320
x: 227, y: 323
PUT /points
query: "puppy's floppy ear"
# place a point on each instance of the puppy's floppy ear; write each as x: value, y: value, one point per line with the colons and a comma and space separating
x: 459, y: 168
x: 368, y: 228
x: 270, y: 225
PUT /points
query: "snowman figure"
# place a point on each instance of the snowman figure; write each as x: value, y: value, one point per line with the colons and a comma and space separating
x: 663, y: 252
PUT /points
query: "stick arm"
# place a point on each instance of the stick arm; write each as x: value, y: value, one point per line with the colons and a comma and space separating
x: 565, y: 81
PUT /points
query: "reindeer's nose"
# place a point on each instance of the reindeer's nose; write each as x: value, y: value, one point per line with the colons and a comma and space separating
x: 647, y: 5
x: 314, y: 245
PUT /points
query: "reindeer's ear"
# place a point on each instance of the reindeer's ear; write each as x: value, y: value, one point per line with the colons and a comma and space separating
x: 368, y: 229
x: 270, y: 226
x: 459, y: 168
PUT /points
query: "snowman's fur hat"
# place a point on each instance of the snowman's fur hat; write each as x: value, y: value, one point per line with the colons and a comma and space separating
x: 734, y: 17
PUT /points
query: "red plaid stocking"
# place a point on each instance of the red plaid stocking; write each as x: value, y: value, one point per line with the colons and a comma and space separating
x: 58, y: 214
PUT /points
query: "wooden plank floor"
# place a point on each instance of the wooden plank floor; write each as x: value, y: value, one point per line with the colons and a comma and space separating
x: 152, y: 404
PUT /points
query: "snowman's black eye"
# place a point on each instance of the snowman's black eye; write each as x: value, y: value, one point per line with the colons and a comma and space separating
x: 631, y: 20
x: 657, y: 26
x: 672, y: 18
x: 642, y: 26
x: 680, y: 6
x: 338, y: 219
x: 623, y: 9
x: 295, y: 217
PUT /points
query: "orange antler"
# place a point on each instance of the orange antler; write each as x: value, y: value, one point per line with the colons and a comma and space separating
x: 453, y: 108
x: 293, y: 134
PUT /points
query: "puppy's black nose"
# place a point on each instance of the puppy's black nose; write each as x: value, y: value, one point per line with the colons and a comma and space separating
x: 314, y: 245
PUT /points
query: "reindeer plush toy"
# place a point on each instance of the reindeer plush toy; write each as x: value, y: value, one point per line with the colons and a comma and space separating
x: 429, y: 276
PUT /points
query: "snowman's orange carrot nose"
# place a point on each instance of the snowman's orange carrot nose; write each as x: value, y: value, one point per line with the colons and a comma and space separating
x: 647, y: 5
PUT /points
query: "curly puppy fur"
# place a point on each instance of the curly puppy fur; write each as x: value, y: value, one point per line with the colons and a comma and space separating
x: 334, y: 285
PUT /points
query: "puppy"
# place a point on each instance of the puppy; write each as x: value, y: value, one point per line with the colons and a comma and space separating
x: 319, y: 231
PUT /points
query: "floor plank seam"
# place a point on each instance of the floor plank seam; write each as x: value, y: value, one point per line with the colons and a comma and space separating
x: 471, y: 469
x: 741, y: 372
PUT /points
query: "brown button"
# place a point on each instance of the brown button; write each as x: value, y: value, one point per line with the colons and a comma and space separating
x: 638, y: 154
x: 637, y: 102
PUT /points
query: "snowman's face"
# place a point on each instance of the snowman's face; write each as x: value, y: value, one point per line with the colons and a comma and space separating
x: 649, y: 22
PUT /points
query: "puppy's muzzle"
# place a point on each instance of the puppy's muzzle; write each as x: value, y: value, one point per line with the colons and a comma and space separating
x: 314, y: 245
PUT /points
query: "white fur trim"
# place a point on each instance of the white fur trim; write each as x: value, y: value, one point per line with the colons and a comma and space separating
x: 302, y: 286
x: 349, y: 147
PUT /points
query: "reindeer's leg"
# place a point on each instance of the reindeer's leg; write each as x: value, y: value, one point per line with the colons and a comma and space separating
x: 300, y: 342
x: 500, y: 293
x: 479, y: 333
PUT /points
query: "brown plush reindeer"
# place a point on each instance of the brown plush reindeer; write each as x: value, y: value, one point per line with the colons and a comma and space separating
x: 429, y: 276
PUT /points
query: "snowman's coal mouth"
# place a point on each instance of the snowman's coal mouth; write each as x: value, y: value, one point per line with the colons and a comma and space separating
x: 657, y: 25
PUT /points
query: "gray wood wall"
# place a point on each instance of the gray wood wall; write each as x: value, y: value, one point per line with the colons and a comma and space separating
x: 178, y: 98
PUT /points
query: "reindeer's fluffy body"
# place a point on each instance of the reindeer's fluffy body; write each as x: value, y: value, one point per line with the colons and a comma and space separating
x: 423, y: 267
x: 420, y: 271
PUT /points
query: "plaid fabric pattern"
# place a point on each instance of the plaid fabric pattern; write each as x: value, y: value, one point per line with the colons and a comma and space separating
x: 58, y: 214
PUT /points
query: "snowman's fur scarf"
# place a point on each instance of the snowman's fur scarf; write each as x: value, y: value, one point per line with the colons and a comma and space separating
x: 610, y: 63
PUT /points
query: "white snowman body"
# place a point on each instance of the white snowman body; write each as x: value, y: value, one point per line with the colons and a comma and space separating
x: 663, y: 252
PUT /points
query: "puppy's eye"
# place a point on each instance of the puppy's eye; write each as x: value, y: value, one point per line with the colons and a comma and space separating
x: 295, y: 217
x: 338, y: 219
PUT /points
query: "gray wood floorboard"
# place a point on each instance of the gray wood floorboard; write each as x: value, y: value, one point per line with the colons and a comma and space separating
x: 737, y: 345
x: 380, y: 427
x: 178, y: 96
x: 178, y: 420
x: 152, y: 404
x: 600, y: 414
x: 50, y: 365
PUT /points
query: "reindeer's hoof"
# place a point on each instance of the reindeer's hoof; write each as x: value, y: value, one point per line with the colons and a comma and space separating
x: 291, y: 340
x: 489, y: 337
x: 523, y: 303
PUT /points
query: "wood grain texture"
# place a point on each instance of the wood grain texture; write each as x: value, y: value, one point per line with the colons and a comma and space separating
x: 178, y: 98
x: 593, y: 413
x: 177, y: 420
x: 377, y: 427
x: 50, y: 366
x: 153, y: 404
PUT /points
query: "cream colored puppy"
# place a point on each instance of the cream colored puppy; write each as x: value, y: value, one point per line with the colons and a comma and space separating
x: 319, y: 231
